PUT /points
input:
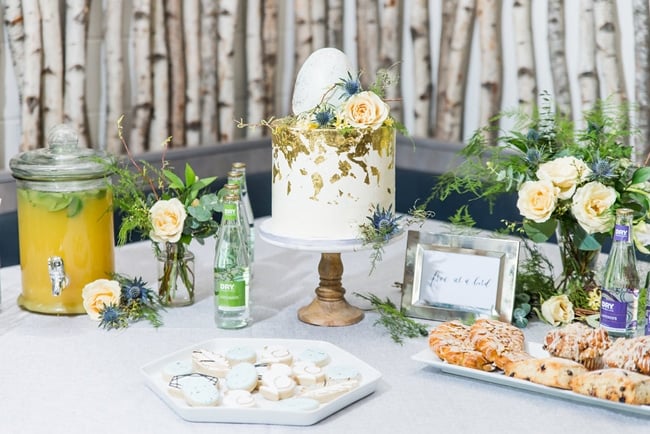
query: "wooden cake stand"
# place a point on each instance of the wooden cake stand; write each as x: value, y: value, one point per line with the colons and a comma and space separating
x: 329, y: 308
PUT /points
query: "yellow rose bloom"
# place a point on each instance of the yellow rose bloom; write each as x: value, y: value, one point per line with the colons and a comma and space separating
x: 365, y: 110
x: 537, y: 200
x: 167, y: 219
x: 99, y: 294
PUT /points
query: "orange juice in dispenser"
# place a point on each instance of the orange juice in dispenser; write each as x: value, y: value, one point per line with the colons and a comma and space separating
x: 65, y: 222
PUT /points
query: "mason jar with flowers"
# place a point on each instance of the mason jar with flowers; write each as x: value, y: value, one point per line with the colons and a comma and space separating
x: 171, y: 211
x: 568, y: 182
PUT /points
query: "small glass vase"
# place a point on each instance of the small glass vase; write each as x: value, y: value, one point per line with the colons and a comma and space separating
x: 578, y: 266
x: 175, y: 274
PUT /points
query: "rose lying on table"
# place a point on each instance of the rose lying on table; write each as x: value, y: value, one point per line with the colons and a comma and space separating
x: 581, y: 359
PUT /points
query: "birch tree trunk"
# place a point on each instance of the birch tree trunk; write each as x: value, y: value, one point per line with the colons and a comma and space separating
x: 302, y: 33
x: 31, y: 104
x: 557, y: 54
x: 209, y: 67
x: 254, y: 65
x: 489, y: 19
x: 390, y: 52
x: 13, y: 20
x: 587, y: 72
x: 642, y: 77
x: 140, y: 37
x: 159, y: 126
x: 367, y: 32
x: 335, y: 24
x: 176, y: 46
x: 450, y: 98
x: 446, y: 36
x: 524, y: 55
x: 74, y: 103
x: 191, y: 19
x: 270, y: 54
x: 607, y: 49
x: 114, y: 72
x: 226, y: 52
x: 52, y: 76
x: 318, y: 19
x: 422, y: 85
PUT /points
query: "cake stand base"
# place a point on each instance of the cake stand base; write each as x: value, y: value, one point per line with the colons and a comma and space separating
x: 330, y: 308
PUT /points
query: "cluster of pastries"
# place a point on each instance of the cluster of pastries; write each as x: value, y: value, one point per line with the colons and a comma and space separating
x: 581, y: 359
x: 241, y: 377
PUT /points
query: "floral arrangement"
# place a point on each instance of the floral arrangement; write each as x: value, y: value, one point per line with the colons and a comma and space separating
x: 118, y: 302
x: 158, y: 204
x: 569, y: 183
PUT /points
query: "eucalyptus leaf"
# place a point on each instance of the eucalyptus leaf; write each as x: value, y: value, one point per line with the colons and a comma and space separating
x: 641, y: 175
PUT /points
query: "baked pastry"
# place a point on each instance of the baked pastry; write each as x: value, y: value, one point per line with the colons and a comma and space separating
x: 549, y: 371
x: 580, y: 343
x: 500, y: 342
x: 450, y: 342
x: 615, y: 385
x: 632, y: 354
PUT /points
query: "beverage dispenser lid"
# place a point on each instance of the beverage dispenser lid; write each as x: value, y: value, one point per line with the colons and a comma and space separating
x: 62, y: 160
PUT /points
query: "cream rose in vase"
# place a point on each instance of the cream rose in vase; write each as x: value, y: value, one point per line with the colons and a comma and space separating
x: 167, y: 220
x: 537, y: 200
x: 565, y: 173
x: 592, y: 207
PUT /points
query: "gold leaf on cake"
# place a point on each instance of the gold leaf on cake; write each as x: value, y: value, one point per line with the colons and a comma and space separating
x: 376, y: 173
x: 303, y: 172
x: 320, y: 159
x: 288, y: 188
x: 344, y: 167
x: 317, y: 183
x: 336, y: 177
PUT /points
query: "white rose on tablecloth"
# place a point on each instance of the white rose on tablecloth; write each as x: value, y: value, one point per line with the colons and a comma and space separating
x: 558, y: 310
x: 167, y: 219
x: 365, y: 110
x: 537, y: 200
x: 565, y: 173
x: 592, y: 207
x: 99, y: 294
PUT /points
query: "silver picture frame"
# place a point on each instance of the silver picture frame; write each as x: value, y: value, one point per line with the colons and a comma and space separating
x: 451, y: 276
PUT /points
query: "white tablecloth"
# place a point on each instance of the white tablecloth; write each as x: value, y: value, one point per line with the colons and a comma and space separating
x: 65, y: 375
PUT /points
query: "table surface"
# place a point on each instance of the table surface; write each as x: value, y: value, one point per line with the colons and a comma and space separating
x: 64, y: 374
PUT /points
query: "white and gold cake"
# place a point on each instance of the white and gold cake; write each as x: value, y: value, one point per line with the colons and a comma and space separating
x: 333, y: 162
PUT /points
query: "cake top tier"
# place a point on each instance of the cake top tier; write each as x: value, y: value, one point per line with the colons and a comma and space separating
x: 329, y: 95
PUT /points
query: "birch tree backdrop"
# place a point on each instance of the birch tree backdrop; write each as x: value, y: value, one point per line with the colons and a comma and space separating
x: 189, y: 69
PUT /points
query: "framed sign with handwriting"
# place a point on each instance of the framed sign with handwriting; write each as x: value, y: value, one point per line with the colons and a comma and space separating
x: 450, y: 276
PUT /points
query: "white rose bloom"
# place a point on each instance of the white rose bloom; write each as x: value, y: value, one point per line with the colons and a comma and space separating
x: 167, y: 219
x: 99, y: 294
x: 537, y: 200
x: 565, y: 173
x: 558, y: 310
x: 365, y: 110
x: 592, y: 207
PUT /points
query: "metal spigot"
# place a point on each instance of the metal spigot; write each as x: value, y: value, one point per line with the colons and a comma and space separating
x: 57, y: 274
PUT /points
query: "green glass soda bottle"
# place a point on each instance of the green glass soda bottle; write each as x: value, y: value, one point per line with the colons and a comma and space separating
x: 231, y: 270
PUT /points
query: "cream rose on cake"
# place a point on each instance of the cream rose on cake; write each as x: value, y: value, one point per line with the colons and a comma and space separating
x: 565, y: 173
x: 592, y: 207
x: 537, y: 200
x: 100, y: 294
x: 365, y: 110
x: 167, y: 219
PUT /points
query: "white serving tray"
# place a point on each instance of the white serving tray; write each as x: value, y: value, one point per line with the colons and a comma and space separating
x: 267, y: 412
x: 427, y: 356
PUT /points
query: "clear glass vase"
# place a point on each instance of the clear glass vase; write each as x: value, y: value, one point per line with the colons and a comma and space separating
x: 578, y: 266
x: 175, y: 274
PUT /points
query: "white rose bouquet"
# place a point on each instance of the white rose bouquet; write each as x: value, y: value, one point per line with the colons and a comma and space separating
x: 568, y: 182
x: 171, y: 211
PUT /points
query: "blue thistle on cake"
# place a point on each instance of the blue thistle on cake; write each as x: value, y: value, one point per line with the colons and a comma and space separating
x: 351, y: 85
x: 324, y: 117
x: 382, y: 225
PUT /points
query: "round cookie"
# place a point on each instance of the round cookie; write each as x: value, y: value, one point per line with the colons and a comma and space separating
x: 237, y: 355
x: 200, y: 392
x: 339, y: 374
x: 242, y: 376
x: 317, y: 357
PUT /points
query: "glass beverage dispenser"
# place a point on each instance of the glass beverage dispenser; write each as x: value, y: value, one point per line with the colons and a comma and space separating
x: 65, y: 222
